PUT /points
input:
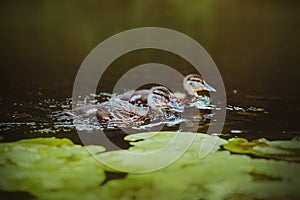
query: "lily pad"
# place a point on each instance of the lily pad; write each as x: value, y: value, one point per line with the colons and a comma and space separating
x: 50, y: 168
x: 220, y: 175
x: 285, y: 150
x: 146, y: 143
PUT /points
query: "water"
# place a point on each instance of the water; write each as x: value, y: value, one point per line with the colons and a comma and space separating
x: 254, y: 44
x: 49, y: 118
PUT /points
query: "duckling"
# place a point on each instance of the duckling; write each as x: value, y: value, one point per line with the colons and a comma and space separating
x: 192, y: 83
x: 123, y: 113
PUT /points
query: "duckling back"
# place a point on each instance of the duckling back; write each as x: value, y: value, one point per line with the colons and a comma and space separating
x: 121, y: 113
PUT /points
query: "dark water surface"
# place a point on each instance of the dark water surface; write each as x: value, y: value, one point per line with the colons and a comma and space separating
x: 254, y: 44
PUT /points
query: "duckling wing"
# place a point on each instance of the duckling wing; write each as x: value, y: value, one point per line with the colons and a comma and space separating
x: 122, y: 113
x: 139, y: 98
x: 135, y: 97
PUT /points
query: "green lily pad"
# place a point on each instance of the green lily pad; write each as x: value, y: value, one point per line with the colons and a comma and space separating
x: 286, y: 150
x: 150, y: 141
x: 47, y: 141
x: 145, y: 143
x: 51, y: 168
x: 220, y: 175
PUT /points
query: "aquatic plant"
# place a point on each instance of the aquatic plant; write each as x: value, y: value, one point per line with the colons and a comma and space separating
x: 285, y: 150
x: 51, y: 168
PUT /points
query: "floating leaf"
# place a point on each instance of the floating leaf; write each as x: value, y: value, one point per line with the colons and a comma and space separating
x: 150, y: 141
x: 286, y: 150
x: 219, y: 175
x: 50, y: 168
x: 47, y: 141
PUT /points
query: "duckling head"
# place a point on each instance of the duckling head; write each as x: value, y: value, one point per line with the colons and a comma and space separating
x: 194, y: 83
x: 161, y: 97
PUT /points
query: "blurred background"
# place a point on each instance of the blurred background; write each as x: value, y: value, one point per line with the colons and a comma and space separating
x: 255, y: 45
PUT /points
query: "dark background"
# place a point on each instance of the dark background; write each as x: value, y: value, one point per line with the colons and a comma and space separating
x: 254, y: 44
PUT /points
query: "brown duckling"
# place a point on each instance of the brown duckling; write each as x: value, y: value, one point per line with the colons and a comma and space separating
x: 192, y: 83
x: 122, y: 113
